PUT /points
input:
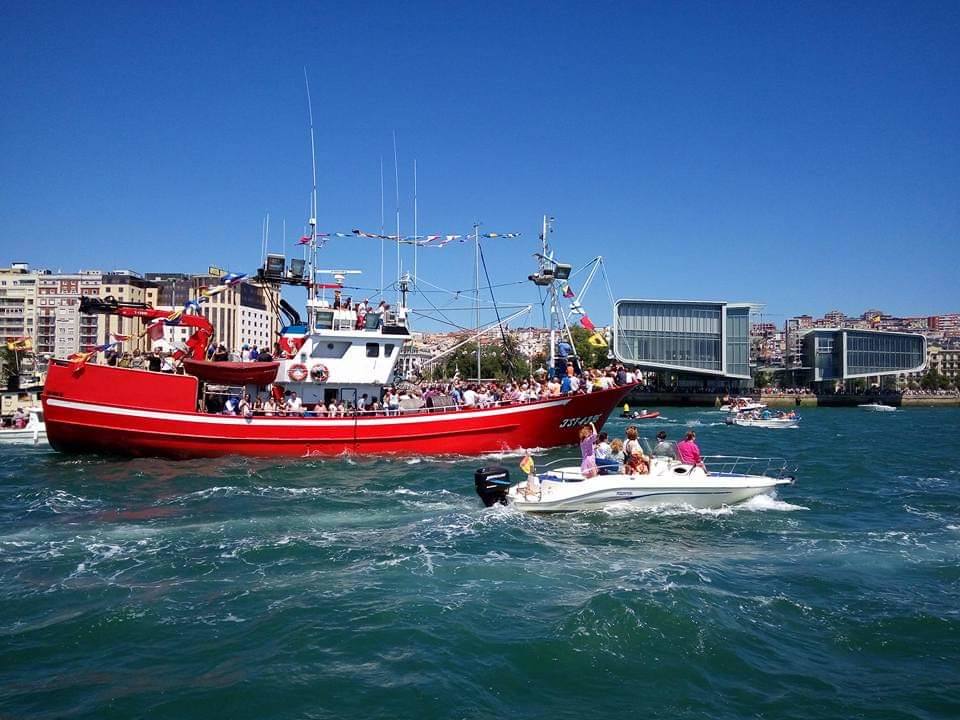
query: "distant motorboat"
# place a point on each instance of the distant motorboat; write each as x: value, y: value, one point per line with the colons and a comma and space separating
x: 762, y: 422
x: 33, y: 433
x: 637, y: 415
x: 742, y: 405
x: 730, y: 480
x: 877, y: 407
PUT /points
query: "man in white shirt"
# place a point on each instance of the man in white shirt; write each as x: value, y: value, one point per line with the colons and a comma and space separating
x: 294, y: 404
x: 469, y: 397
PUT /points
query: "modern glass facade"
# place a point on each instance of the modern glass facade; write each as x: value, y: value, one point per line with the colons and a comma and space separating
x: 839, y: 354
x: 738, y: 341
x: 873, y: 353
x: 709, y: 338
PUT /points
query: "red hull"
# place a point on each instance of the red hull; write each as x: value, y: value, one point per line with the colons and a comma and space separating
x: 118, y: 411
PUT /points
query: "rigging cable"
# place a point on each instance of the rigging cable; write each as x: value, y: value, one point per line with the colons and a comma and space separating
x: 508, y: 355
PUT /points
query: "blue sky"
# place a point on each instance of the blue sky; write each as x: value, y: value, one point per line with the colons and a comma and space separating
x: 806, y: 156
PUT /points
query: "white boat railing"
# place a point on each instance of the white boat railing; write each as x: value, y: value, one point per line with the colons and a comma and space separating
x: 742, y: 465
x: 716, y: 466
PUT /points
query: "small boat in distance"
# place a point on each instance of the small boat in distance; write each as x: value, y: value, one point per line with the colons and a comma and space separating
x: 877, y: 407
x: 639, y: 414
x: 742, y: 405
x: 33, y: 433
x: 772, y: 422
x: 730, y: 480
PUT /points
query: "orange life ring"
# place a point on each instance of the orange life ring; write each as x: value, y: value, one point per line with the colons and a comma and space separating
x: 319, y: 373
x: 297, y: 373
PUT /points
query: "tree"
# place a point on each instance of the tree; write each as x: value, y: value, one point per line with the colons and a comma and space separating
x: 8, y: 364
x: 933, y: 380
x: 590, y: 356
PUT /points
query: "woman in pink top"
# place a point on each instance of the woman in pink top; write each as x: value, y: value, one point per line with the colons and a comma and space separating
x: 688, y: 450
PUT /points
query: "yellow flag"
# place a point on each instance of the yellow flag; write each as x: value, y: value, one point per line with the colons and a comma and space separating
x: 597, y: 340
x: 527, y: 464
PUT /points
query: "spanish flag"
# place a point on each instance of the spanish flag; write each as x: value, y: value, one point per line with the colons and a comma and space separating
x: 527, y: 464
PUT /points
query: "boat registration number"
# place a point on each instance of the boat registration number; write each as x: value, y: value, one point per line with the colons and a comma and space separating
x: 578, y: 421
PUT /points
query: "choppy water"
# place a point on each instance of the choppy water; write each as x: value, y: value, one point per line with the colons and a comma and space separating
x: 382, y: 589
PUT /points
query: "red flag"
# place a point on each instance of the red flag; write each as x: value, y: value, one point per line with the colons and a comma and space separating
x: 304, y: 240
x: 155, y: 330
x: 587, y: 323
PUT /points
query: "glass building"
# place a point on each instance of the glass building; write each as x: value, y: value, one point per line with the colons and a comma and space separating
x: 690, y: 337
x: 842, y: 354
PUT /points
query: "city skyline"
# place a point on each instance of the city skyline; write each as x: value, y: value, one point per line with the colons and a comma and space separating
x: 803, y: 157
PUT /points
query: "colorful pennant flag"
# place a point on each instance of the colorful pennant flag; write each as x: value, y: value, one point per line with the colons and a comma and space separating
x: 117, y: 337
x: 304, y: 240
x: 568, y: 291
x: 155, y: 330
x: 587, y: 323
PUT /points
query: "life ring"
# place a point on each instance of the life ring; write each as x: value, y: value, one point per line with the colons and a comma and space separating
x: 319, y: 373
x: 297, y: 373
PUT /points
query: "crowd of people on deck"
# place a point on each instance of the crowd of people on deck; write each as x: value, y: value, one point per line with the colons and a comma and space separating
x: 406, y: 397
x: 602, y: 456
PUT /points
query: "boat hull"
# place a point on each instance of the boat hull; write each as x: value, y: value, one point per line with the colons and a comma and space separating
x: 118, y: 411
x: 26, y: 436
x: 771, y: 424
x: 595, y: 493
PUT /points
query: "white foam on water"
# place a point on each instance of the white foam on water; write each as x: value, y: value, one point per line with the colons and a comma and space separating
x: 413, y: 461
x: 768, y: 502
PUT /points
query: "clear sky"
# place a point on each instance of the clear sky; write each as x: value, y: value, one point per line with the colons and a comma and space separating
x: 803, y: 155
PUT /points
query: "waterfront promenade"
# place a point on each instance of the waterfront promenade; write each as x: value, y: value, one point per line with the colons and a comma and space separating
x: 783, y: 400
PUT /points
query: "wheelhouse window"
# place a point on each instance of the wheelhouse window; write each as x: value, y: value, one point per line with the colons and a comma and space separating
x: 373, y: 350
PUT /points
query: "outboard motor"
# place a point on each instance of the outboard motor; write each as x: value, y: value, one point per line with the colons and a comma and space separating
x: 492, y: 485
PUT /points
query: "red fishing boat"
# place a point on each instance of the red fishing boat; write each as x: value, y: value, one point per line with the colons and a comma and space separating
x: 336, y: 358
x: 102, y: 409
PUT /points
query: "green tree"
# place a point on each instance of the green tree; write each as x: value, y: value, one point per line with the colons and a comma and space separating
x: 590, y: 356
x: 8, y: 364
x: 932, y: 380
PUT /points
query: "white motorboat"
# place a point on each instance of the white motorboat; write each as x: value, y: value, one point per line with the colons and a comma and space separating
x: 764, y: 422
x: 727, y: 481
x: 33, y: 433
x: 877, y: 407
x: 739, y: 405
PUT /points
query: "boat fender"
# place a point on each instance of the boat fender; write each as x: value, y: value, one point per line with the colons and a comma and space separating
x: 319, y: 373
x: 297, y: 373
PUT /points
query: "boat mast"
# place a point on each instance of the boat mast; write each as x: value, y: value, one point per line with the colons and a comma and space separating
x: 476, y: 297
x: 311, y: 282
x: 396, y: 186
x: 544, y: 258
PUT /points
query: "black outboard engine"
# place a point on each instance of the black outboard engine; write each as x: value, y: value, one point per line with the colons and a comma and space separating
x: 492, y: 485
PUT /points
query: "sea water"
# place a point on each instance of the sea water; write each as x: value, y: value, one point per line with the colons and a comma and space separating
x: 381, y: 588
